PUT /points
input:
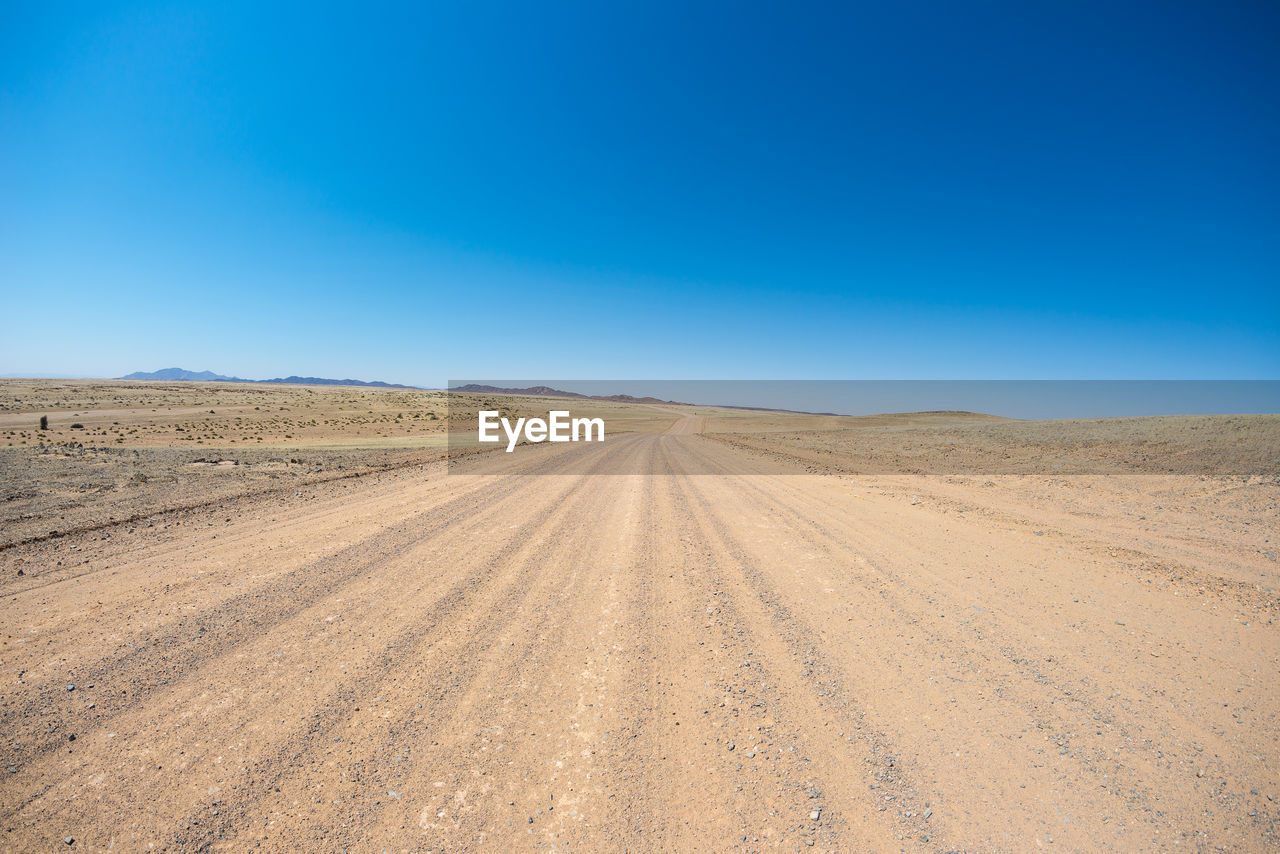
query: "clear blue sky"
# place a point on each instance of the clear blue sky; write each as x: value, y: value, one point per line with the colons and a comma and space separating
x: 425, y: 191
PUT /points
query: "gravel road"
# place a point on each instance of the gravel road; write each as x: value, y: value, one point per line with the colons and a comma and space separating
x: 422, y: 661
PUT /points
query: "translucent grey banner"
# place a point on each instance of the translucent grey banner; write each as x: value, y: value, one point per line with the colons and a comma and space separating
x: 647, y: 427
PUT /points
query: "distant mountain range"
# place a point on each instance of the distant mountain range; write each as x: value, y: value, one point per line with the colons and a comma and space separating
x: 547, y: 391
x: 181, y: 375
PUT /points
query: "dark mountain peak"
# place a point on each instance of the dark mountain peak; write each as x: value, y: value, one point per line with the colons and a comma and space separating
x: 547, y: 391
x: 181, y: 375
x: 535, y: 391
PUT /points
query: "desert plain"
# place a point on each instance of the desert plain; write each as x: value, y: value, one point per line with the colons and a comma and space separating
x: 275, y: 618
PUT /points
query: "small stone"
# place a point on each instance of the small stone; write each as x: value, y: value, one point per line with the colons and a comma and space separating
x: 928, y: 812
x: 69, y: 840
x: 815, y: 815
x: 731, y: 745
x: 71, y: 687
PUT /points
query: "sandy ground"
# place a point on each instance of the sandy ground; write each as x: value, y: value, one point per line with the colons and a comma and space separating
x: 411, y: 660
x: 207, y: 415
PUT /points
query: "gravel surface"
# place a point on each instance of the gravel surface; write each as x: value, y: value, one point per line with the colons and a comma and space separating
x: 413, y: 660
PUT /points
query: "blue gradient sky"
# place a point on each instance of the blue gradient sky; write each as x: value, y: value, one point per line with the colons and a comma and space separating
x: 418, y: 192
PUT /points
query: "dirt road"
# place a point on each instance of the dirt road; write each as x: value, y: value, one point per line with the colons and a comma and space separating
x: 418, y: 661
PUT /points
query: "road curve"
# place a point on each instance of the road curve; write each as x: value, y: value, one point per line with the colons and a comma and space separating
x: 424, y: 661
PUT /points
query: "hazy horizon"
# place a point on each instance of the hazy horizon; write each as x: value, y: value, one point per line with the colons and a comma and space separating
x: 1018, y: 399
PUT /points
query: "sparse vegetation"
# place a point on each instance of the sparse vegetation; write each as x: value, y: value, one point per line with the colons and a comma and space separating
x: 222, y: 414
